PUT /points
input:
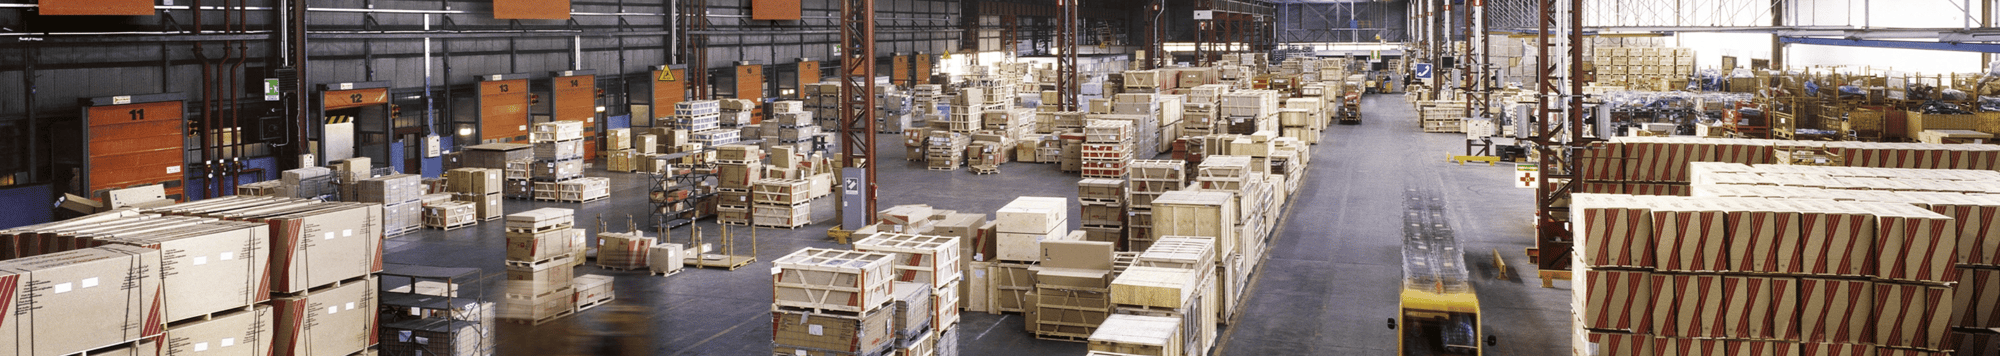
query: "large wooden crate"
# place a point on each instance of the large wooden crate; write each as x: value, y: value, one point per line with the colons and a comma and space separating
x: 814, y: 333
x: 1139, y: 335
x: 837, y: 280
x: 1917, y: 121
x: 1190, y: 213
x: 1188, y: 252
x: 781, y: 191
x: 919, y: 258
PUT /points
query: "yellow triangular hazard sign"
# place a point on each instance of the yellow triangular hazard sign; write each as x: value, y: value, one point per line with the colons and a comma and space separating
x: 666, y: 75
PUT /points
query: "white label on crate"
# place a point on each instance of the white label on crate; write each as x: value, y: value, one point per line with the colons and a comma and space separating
x: 227, y: 256
x: 228, y: 341
x: 799, y: 352
x: 331, y: 310
x: 346, y: 233
x: 201, y: 346
x: 776, y: 271
x: 329, y: 235
x: 173, y: 169
x: 62, y: 288
x: 816, y: 330
x: 87, y: 282
x: 350, y: 305
x: 978, y: 273
x: 200, y: 260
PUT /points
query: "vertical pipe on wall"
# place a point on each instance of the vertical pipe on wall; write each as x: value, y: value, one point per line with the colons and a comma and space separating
x: 28, y: 53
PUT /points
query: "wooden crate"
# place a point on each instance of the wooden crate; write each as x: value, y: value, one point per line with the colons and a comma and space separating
x: 1139, y: 335
x: 1916, y: 122
x: 1187, y: 252
x: 817, y: 333
x: 838, y: 280
x: 540, y: 220
x: 919, y: 258
x: 781, y: 191
x: 1204, y: 214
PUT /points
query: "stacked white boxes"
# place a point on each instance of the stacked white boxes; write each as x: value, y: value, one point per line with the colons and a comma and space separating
x: 542, y: 253
x: 402, y: 212
x: 479, y: 186
x: 833, y: 302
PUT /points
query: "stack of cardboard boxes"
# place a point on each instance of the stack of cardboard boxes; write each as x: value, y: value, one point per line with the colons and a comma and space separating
x: 624, y: 250
x: 927, y: 270
x: 402, y: 210
x: 542, y: 252
x: 180, y: 278
x: 945, y: 150
x: 1103, y: 213
x: 791, y: 126
x: 557, y: 170
x: 734, y: 113
x: 966, y: 112
x: 833, y: 302
x: 1146, y: 181
x: 479, y: 186
x: 737, y: 169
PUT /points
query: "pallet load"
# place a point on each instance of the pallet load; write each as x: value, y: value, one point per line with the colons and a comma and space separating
x: 1171, y: 279
x: 1146, y: 181
x: 1107, y: 148
x: 1021, y: 226
x: 790, y: 126
x: 737, y: 170
x: 966, y: 108
x: 592, y: 290
x: 733, y: 113
x: 624, y: 251
x: 1128, y: 334
x: 1072, y: 291
x: 945, y: 150
x: 541, y: 247
x: 1838, y: 273
x: 930, y: 260
x: 479, y: 186
x: 1245, y: 111
x: 781, y: 203
x: 833, y: 302
x: 927, y: 271
x: 121, y: 309
x: 1103, y: 202
x: 985, y: 157
x: 399, y: 194
x: 666, y: 259
x: 559, y: 158
x: 1208, y: 214
x: 449, y: 215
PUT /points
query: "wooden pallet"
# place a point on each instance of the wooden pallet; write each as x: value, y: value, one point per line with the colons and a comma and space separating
x: 982, y: 171
x: 1062, y: 337
x: 543, y: 320
x: 601, y: 197
x: 619, y: 268
x: 586, y: 306
x: 945, y: 169
x: 650, y: 272
x: 784, y: 227
x: 452, y: 227
x: 720, y: 261
x: 538, y: 263
x: 1101, y: 202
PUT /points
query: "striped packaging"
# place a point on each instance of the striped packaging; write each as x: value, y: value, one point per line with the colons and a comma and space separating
x: 1971, y: 344
x: 1835, y: 310
x: 1615, y: 300
x: 1688, y: 305
x: 1913, y: 244
x: 1830, y: 349
x: 1890, y: 351
x: 1616, y: 229
x: 1838, y: 239
x: 1910, y: 315
x: 1685, y: 346
x: 1763, y: 236
x: 1616, y: 344
x: 1691, y: 236
x: 1976, y: 299
x: 1974, y: 221
x: 1760, y: 308
x: 1759, y: 348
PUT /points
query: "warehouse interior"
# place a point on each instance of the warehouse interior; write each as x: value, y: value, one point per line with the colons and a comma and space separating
x: 999, y: 177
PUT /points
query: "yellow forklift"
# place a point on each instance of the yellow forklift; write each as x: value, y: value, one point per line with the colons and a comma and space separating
x: 1439, y: 311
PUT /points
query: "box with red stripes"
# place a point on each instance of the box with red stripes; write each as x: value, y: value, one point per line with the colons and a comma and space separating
x: 1613, y: 344
x: 1976, y: 299
x: 1836, y: 310
x: 1976, y: 219
x: 1974, y: 344
x: 1763, y: 236
x: 1691, y: 236
x: 1912, y: 315
x: 1614, y: 300
x: 1833, y: 349
x: 1687, y: 305
x: 1761, y: 308
x: 1617, y: 230
x: 1912, y: 244
x: 1838, y: 238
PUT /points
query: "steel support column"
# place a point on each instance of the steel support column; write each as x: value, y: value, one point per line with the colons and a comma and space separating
x: 857, y: 82
x: 1556, y: 152
x: 1067, y: 87
x: 696, y: 49
x: 1156, y: 36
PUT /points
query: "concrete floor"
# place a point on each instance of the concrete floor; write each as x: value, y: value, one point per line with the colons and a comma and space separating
x: 1330, y: 282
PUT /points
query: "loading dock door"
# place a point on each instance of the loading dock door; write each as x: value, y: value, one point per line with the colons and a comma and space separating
x: 503, y: 108
x: 575, y: 97
x: 750, y: 86
x: 131, y: 143
x: 668, y: 89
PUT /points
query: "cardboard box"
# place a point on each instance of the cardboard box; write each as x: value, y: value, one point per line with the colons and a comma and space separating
x: 1191, y: 213
x: 1913, y: 244
x: 208, y: 268
x: 1976, y: 299
x: 1692, y: 236
x: 74, y: 301
x: 592, y: 289
x: 1764, y: 237
x: 538, y: 246
x: 1912, y: 316
x: 1024, y: 247
x: 337, y: 320
x: 345, y: 242
x: 1139, y: 335
x: 248, y: 332
x: 1616, y: 344
x: 548, y: 276
x: 1833, y: 349
x: 1617, y: 231
x: 1836, y: 311
x: 1840, y: 237
x: 1614, y: 300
